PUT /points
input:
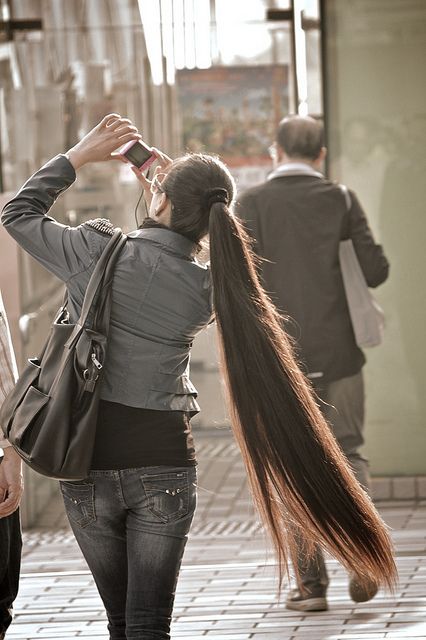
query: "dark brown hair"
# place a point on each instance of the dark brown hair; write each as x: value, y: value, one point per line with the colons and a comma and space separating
x: 300, y: 480
x: 301, y: 137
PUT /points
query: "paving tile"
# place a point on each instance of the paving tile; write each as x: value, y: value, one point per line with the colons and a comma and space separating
x: 272, y: 636
x: 381, y: 488
x: 404, y: 488
x: 279, y: 624
x: 415, y: 627
x: 358, y: 636
x: 421, y: 487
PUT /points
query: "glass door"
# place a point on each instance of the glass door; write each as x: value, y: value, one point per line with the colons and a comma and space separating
x: 375, y: 99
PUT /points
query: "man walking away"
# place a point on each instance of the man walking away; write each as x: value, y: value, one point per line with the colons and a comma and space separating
x: 297, y: 219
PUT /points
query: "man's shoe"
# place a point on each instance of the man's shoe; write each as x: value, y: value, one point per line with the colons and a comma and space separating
x: 306, y: 602
x: 361, y: 589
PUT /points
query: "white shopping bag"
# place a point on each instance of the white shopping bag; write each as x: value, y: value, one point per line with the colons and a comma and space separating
x: 368, y: 319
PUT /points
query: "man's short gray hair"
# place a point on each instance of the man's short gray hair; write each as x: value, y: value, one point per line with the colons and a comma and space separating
x: 301, y: 137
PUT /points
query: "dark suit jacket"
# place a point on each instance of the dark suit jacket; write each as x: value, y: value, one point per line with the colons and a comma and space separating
x: 297, y: 222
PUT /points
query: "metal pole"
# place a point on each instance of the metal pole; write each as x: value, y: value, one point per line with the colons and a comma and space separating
x: 294, y: 56
x: 324, y: 83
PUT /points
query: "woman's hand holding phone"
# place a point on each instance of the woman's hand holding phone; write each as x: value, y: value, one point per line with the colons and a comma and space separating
x: 102, y: 142
x: 163, y: 162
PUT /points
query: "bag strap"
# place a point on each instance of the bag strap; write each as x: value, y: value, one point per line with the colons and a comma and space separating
x: 110, y: 253
x: 104, y: 265
x: 348, y: 201
x: 103, y: 301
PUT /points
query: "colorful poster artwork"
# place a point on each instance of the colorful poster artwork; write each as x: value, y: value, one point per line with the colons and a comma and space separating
x: 232, y: 111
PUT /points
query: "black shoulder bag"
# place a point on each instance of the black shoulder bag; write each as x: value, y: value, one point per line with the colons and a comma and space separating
x: 50, y: 416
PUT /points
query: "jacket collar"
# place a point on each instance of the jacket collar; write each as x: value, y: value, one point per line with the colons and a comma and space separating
x: 166, y: 238
x: 294, y: 169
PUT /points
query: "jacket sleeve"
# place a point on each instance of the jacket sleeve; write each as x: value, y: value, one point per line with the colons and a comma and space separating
x: 63, y: 250
x: 371, y: 257
x: 8, y: 369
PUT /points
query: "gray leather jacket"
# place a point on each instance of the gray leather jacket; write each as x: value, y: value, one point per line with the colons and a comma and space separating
x: 162, y: 296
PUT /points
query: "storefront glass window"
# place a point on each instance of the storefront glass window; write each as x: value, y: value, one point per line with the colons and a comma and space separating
x: 375, y: 102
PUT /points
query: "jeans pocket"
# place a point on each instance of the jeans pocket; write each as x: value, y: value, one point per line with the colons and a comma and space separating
x: 168, y: 495
x: 79, y: 500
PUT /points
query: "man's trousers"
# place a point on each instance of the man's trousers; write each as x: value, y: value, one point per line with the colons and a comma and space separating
x: 342, y: 404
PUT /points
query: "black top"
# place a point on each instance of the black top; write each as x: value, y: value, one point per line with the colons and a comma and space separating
x: 297, y: 223
x: 131, y: 437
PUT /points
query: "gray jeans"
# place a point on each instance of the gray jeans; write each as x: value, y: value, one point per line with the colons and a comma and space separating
x: 132, y: 526
x: 342, y: 404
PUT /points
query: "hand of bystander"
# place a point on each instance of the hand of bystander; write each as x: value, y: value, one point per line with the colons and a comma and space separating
x: 11, y: 482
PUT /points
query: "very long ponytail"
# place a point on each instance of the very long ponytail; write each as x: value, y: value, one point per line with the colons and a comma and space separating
x: 300, y: 480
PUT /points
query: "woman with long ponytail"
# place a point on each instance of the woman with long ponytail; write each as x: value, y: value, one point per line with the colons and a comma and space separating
x: 132, y: 514
x: 300, y: 480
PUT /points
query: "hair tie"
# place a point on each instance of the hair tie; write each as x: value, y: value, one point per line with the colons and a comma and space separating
x: 215, y: 195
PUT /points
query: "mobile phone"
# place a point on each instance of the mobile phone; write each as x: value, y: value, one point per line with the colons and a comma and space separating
x: 139, y: 154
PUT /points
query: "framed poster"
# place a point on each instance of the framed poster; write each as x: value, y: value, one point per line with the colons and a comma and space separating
x: 232, y: 111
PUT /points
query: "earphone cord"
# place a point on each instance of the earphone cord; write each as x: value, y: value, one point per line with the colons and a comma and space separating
x: 136, y: 209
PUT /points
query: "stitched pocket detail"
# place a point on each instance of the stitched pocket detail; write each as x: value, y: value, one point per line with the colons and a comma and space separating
x: 167, y: 494
x: 79, y: 500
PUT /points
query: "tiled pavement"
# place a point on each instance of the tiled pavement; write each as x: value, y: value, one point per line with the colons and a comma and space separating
x: 227, y: 588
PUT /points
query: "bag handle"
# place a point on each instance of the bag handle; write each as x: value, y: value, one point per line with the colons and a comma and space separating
x: 103, y: 301
x: 109, y: 253
x: 104, y: 265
